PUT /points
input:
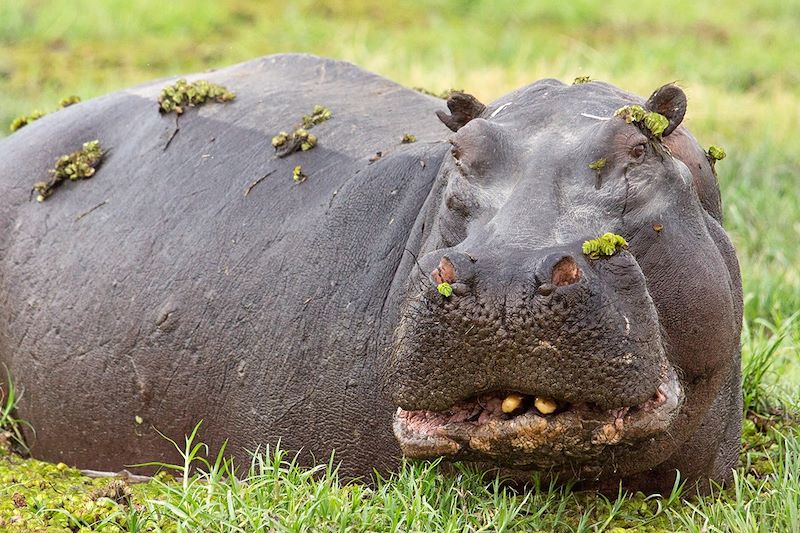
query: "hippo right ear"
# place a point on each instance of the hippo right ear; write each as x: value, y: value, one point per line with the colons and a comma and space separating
x: 669, y: 101
x: 463, y: 108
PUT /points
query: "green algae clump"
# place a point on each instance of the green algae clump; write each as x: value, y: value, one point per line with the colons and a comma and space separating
x: 175, y: 97
x: 318, y: 115
x: 716, y: 153
x: 78, y: 165
x: 24, y: 120
x: 286, y: 143
x: 300, y: 137
x: 280, y: 139
x: 298, y: 175
x: 597, y: 165
x: 68, y: 101
x: 631, y: 113
x: 605, y: 246
x: 307, y: 140
x: 39, y: 496
x: 445, y: 289
x: 653, y: 122
x: 656, y: 123
x: 408, y: 138
x: 581, y: 79
x: 444, y: 95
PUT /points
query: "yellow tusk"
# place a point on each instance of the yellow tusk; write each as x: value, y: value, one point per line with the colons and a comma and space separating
x: 511, y: 403
x: 545, y: 405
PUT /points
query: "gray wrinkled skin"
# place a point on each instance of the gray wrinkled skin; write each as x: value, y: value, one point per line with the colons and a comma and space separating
x: 309, y: 312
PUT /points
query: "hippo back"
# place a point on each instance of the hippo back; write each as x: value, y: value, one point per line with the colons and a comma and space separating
x: 191, y: 278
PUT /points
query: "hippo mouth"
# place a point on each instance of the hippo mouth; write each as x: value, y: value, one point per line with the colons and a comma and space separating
x: 523, y: 431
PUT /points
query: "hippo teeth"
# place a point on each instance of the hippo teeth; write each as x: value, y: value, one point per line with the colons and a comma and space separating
x: 512, y: 402
x: 545, y: 406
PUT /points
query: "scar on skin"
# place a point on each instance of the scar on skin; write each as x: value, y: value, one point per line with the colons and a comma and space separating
x: 496, y: 111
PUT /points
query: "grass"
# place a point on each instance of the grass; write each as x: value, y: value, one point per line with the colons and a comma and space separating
x: 737, y: 66
x: 764, y: 348
x: 11, y: 427
x: 274, y: 493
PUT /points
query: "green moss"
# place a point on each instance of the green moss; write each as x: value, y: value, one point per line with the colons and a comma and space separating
x: 318, y: 115
x: 606, y: 245
x: 307, y: 140
x: 280, y: 139
x: 650, y: 121
x: 24, y: 120
x: 408, y: 138
x: 631, y: 113
x: 286, y: 143
x: 444, y: 95
x: 445, y: 289
x: 39, y: 496
x: 298, y: 175
x: 68, y: 101
x: 597, y: 165
x: 175, y: 97
x: 78, y: 165
x: 581, y: 79
x: 715, y: 153
x: 656, y: 123
x: 300, y: 139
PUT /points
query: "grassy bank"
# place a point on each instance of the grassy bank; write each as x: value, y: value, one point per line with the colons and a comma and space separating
x: 277, y: 495
x: 738, y: 67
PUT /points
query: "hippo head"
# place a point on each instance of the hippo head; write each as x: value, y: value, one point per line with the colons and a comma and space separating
x: 516, y: 348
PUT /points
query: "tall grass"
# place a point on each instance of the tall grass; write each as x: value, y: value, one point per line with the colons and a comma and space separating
x: 11, y: 427
x: 274, y: 493
x: 767, y: 503
x: 763, y: 345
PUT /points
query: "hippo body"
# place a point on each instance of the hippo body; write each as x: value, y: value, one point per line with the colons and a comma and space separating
x: 193, y: 279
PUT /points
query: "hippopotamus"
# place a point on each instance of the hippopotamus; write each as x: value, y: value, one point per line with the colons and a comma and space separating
x: 413, y: 282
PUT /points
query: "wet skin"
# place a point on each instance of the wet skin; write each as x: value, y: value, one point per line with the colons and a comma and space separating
x: 157, y: 293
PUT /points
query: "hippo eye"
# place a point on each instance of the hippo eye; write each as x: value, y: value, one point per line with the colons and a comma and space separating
x: 638, y: 151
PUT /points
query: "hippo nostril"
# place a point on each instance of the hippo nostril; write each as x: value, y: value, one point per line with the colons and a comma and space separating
x: 566, y: 272
x: 445, y: 272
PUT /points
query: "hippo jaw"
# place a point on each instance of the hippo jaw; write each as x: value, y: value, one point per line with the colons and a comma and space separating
x: 477, y: 429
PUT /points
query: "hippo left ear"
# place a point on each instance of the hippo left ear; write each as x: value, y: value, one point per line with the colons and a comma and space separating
x: 463, y: 108
x: 669, y: 101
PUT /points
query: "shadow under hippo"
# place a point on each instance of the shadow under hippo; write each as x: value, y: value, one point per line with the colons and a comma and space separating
x: 427, y: 298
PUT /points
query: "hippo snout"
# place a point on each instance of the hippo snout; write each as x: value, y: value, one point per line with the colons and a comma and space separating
x: 528, y: 345
x: 550, y: 324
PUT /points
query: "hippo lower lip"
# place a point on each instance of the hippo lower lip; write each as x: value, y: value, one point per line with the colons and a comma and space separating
x: 477, y: 430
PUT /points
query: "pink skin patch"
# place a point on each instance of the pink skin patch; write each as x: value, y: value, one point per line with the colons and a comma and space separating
x: 566, y: 272
x: 445, y: 272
